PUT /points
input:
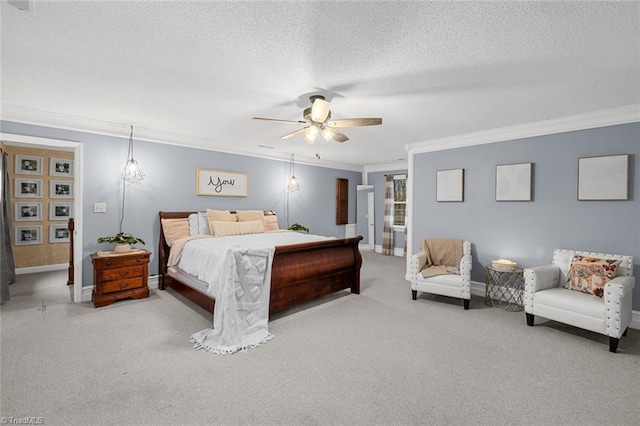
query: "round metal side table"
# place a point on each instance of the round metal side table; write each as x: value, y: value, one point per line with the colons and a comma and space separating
x: 504, y: 289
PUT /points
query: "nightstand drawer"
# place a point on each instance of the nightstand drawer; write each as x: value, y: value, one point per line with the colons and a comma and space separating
x: 122, y: 285
x: 120, y: 261
x: 122, y: 273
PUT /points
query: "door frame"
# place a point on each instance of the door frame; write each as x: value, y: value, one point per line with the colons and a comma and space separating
x: 21, y: 140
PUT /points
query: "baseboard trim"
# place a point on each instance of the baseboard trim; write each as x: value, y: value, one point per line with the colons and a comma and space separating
x: 397, y: 251
x: 43, y: 268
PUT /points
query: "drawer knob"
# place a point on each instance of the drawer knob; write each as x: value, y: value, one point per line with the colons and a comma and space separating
x: 123, y: 286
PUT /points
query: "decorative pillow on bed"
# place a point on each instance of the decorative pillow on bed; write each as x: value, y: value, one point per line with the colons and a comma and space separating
x: 249, y: 215
x: 225, y: 229
x: 220, y: 216
x: 271, y: 223
x: 175, y: 229
x: 591, y: 274
x: 199, y: 224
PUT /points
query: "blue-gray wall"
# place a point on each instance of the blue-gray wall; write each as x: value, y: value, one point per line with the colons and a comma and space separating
x: 377, y: 179
x: 527, y: 232
x: 170, y: 185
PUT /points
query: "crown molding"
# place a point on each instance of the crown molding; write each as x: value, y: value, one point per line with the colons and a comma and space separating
x: 611, y: 117
x: 121, y: 130
x: 398, y: 165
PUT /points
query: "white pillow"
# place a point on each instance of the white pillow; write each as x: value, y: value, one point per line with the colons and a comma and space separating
x: 225, y: 229
x: 198, y: 224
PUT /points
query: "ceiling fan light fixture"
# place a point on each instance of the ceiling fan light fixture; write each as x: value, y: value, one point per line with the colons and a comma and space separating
x: 311, y: 134
x: 327, y: 133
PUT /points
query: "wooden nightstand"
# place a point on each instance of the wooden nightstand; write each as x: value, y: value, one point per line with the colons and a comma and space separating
x: 120, y: 277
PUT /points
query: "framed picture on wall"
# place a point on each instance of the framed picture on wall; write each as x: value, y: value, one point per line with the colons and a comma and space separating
x: 450, y: 185
x: 60, y: 211
x: 25, y: 211
x: 60, y: 189
x: 513, y: 182
x: 28, y: 188
x: 603, y: 178
x: 28, y: 165
x: 60, y: 167
x: 221, y: 184
x: 28, y: 235
x: 58, y: 234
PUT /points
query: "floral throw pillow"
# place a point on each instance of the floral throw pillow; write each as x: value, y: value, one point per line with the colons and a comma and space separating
x: 590, y: 274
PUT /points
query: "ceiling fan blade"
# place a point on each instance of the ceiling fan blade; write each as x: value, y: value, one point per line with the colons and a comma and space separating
x: 354, y: 122
x: 339, y: 136
x: 281, y: 121
x: 292, y: 134
x: 320, y: 110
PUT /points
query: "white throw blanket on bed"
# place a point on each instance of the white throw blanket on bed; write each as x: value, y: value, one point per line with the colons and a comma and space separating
x: 238, y: 272
x: 242, y: 286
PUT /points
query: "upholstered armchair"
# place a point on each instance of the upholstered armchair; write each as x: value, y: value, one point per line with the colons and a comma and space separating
x: 451, y: 284
x: 607, y: 310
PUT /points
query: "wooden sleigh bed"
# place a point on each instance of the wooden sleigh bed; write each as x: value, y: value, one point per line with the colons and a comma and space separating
x: 300, y: 272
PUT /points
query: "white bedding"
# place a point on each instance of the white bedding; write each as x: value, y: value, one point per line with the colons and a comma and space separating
x: 237, y: 270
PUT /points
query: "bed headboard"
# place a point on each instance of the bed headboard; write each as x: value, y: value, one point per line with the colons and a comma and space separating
x: 163, y: 247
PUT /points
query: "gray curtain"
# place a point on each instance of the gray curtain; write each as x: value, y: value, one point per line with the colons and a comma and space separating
x: 387, y: 230
x: 7, y: 267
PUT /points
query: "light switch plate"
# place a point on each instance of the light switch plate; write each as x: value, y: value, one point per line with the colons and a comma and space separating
x: 99, y: 207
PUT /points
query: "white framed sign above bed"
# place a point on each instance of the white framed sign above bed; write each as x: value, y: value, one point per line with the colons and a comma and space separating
x: 221, y: 183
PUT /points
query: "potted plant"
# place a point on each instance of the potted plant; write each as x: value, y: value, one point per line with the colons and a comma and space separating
x: 299, y: 228
x: 122, y: 240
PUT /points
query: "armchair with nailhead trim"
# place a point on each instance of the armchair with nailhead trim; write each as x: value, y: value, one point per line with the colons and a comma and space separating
x: 453, y: 285
x: 546, y: 296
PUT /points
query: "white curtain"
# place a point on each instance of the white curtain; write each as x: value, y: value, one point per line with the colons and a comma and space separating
x: 7, y: 267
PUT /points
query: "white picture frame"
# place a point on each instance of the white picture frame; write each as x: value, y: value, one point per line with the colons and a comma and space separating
x: 604, y: 178
x: 28, y: 188
x: 28, y: 235
x: 514, y: 182
x: 28, y: 165
x: 220, y: 183
x: 60, y: 189
x: 59, y: 234
x: 450, y: 185
x: 60, y: 211
x: 60, y: 167
x: 27, y: 211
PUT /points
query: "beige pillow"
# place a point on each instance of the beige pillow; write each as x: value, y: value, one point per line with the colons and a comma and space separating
x: 220, y: 216
x: 249, y: 215
x: 225, y: 229
x: 271, y: 223
x: 175, y: 229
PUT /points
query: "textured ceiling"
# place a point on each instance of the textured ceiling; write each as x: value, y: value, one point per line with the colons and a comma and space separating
x: 196, y: 72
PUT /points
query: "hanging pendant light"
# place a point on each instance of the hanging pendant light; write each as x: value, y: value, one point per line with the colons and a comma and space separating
x: 132, y: 171
x: 293, y: 184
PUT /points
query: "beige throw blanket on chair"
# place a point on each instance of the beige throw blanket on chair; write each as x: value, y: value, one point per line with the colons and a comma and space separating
x: 443, y: 256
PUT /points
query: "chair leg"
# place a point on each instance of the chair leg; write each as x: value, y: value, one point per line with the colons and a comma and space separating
x: 625, y: 331
x: 414, y: 294
x: 466, y: 304
x: 530, y: 318
x: 613, y: 344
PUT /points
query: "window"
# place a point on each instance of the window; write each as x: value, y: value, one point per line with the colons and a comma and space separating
x: 399, y: 199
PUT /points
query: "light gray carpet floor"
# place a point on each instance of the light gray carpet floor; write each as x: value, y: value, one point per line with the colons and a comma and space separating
x: 374, y: 358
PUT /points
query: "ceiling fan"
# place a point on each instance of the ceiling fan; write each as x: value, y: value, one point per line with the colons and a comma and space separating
x: 317, y: 119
